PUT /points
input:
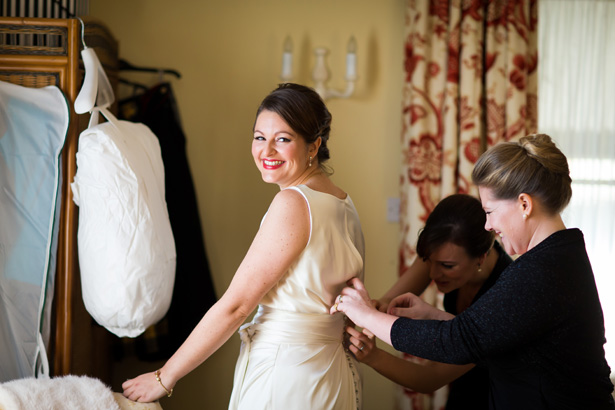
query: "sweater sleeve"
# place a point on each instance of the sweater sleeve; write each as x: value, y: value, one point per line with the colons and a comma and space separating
x: 522, y: 305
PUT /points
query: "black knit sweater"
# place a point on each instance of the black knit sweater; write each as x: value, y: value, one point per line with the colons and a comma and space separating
x: 539, y: 330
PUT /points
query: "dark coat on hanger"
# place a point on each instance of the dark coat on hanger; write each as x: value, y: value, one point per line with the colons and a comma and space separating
x: 194, y: 292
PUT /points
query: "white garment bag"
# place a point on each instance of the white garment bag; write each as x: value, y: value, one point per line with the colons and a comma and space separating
x: 126, y: 246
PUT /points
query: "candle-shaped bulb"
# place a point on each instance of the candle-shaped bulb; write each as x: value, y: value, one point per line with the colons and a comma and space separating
x: 287, y: 60
x: 351, y: 60
x: 288, y: 45
x: 352, y: 45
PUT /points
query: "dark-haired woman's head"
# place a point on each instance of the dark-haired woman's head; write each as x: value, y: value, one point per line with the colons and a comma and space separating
x: 459, y: 219
x: 454, y: 241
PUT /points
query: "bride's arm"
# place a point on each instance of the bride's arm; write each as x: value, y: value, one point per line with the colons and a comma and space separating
x: 281, y: 238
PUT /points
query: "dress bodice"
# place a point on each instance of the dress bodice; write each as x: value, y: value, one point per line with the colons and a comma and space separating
x: 335, y: 253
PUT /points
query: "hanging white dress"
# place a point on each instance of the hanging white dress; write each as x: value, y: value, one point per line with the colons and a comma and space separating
x: 292, y: 356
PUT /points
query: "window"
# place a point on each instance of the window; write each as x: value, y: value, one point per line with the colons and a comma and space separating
x: 576, y: 94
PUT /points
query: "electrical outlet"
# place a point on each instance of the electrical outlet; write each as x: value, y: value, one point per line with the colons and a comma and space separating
x: 393, y: 209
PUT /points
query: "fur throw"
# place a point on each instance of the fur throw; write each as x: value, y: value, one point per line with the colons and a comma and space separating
x: 69, y: 392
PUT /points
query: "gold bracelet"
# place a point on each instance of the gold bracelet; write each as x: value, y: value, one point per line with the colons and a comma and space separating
x: 157, y: 374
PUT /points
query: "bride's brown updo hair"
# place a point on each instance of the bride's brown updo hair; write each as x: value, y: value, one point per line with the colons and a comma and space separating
x: 304, y: 111
x: 534, y: 166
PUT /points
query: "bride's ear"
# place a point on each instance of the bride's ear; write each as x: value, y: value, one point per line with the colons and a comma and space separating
x: 314, y: 146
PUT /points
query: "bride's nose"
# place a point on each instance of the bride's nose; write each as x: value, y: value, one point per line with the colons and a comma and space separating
x: 270, y: 149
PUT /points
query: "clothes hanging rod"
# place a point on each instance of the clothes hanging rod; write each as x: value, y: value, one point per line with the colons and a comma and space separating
x: 125, y: 65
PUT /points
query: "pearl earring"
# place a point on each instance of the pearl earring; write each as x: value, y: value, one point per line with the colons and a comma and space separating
x: 524, y: 217
x: 310, y: 163
x: 480, y: 269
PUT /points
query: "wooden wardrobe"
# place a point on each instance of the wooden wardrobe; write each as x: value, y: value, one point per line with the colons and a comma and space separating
x: 37, y: 53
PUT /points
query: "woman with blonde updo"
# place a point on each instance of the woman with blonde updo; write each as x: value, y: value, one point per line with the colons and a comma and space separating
x: 539, y: 330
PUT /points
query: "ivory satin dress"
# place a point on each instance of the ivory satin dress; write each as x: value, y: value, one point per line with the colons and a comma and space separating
x: 292, y: 356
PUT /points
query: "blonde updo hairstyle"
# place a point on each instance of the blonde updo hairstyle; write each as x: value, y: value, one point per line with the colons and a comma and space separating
x: 534, y: 166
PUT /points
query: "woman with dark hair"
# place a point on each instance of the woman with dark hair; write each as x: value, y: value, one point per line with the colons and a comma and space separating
x: 309, y: 244
x: 539, y: 330
x: 462, y: 258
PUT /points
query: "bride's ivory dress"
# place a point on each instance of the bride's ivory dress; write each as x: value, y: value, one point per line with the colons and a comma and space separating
x: 292, y: 356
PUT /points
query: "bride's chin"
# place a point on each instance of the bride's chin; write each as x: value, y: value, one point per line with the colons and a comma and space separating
x: 269, y: 180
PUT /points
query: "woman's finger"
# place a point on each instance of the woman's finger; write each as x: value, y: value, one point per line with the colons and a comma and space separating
x: 356, y: 283
x: 369, y: 334
x: 356, y: 352
x: 356, y: 347
x: 352, y: 331
x: 348, y: 291
x: 360, y: 340
x: 333, y: 309
x: 356, y: 341
x: 376, y: 304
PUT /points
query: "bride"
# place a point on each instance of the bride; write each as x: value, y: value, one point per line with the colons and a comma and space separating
x: 308, y: 246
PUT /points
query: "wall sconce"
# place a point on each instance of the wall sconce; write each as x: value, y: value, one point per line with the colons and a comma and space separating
x: 320, y: 74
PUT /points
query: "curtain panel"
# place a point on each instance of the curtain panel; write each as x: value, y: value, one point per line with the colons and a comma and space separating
x: 471, y: 82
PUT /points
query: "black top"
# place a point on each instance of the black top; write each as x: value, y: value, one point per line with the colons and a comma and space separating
x: 471, y: 390
x: 539, y: 330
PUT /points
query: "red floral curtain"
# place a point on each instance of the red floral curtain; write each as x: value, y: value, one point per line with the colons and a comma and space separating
x: 471, y: 82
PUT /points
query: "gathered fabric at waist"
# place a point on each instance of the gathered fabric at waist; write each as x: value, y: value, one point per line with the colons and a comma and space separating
x: 283, y: 326
x: 303, y: 352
